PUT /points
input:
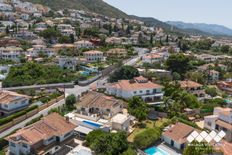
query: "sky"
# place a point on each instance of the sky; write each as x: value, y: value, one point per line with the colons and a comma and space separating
x: 191, y: 11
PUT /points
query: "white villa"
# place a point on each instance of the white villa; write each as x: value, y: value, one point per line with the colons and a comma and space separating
x: 92, y: 56
x: 84, y: 44
x: 220, y: 120
x: 139, y: 86
x: 11, y: 53
x: 11, y: 102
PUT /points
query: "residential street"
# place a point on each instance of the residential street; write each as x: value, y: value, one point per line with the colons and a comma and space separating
x: 77, y: 90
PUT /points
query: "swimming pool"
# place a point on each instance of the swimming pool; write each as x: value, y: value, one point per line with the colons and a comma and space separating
x: 155, y: 151
x: 92, y: 124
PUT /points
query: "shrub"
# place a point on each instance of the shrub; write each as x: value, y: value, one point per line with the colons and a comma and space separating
x: 18, y: 114
x: 147, y: 137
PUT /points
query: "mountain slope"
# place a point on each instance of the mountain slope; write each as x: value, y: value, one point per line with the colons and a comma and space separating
x: 208, y: 28
x: 97, y: 6
x: 101, y: 7
x: 154, y: 22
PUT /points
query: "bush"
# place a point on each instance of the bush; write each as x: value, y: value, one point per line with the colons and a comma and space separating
x: 34, y: 120
x: 32, y: 73
x: 16, y: 115
x: 178, y: 119
x: 104, y: 143
x: 147, y: 137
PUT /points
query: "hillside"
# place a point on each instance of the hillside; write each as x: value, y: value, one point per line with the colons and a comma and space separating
x: 167, y: 27
x: 101, y: 7
x: 212, y: 29
x: 97, y: 6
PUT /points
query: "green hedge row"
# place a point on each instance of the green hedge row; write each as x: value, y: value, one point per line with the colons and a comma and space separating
x: 16, y: 115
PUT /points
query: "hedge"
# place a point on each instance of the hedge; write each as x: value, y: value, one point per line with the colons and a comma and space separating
x: 16, y: 115
x: 174, y: 119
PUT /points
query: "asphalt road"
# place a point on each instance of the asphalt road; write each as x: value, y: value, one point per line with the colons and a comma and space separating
x: 77, y: 90
x: 23, y: 123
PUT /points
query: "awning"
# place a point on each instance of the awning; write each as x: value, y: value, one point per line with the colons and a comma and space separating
x: 83, y: 130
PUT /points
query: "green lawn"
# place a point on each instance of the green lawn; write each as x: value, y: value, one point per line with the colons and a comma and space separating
x: 149, y: 124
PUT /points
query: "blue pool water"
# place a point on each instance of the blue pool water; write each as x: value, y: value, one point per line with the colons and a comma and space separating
x: 92, y: 124
x: 155, y: 151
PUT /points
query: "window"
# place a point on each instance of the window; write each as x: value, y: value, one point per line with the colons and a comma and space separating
x: 147, y: 91
x: 141, y: 91
x: 108, y: 110
x: 6, y: 106
x: 50, y: 139
x: 135, y: 92
x: 24, y: 145
x: 12, y: 144
x: 67, y: 134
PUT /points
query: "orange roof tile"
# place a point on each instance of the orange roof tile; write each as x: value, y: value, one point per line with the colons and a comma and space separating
x: 51, y: 125
x: 189, y: 84
x: 134, y: 85
x: 179, y: 132
x: 7, y: 97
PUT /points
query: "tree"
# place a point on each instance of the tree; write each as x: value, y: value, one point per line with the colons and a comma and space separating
x: 138, y: 108
x: 128, y: 29
x: 71, y: 38
x: 140, y: 38
x: 7, y: 30
x: 64, y: 39
x: 70, y: 100
x: 225, y: 48
x: 50, y: 33
x: 151, y: 39
x: 124, y: 73
x: 104, y: 143
x: 176, y: 76
x: 196, y: 76
x: 129, y: 151
x: 211, y: 91
x: 110, y: 29
x: 178, y: 63
x: 167, y: 39
x: 147, y: 137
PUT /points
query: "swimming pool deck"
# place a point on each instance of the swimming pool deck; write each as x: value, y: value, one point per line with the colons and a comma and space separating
x: 167, y: 149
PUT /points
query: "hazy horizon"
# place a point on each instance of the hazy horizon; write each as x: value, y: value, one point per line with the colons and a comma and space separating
x: 191, y: 11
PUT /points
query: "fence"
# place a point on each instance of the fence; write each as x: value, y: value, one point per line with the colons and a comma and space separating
x: 29, y: 114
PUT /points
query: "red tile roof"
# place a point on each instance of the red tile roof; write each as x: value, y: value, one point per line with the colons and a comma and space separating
x: 179, y: 132
x: 51, y: 125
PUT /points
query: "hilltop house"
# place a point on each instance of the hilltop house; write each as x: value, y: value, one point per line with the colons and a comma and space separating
x: 11, y: 102
x: 225, y: 86
x: 152, y: 58
x: 193, y: 88
x: 84, y: 44
x: 177, y: 134
x: 46, y: 136
x: 93, y: 56
x: 117, y: 52
x: 11, y: 53
x: 68, y: 63
x: 220, y: 120
x: 139, y: 86
x: 40, y: 49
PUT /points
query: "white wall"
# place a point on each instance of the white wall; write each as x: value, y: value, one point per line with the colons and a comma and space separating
x: 15, y: 105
